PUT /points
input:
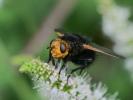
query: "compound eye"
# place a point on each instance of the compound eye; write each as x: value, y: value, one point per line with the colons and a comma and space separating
x: 62, y: 47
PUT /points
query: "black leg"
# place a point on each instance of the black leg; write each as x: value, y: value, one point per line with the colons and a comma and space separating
x: 49, y: 59
x: 53, y: 61
x: 62, y: 67
x: 50, y: 56
x: 66, y: 70
x: 68, y: 78
x: 58, y: 62
x: 79, y: 68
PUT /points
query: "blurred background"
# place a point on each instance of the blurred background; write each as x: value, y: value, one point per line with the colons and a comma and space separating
x: 27, y: 26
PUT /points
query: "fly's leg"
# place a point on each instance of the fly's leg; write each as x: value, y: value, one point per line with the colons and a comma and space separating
x: 50, y: 55
x: 81, y: 70
x: 53, y: 61
x: 49, y: 59
x: 62, y: 67
x: 74, y: 70
x: 57, y: 63
x: 85, y: 65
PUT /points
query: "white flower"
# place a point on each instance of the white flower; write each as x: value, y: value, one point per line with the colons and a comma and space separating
x: 52, y: 87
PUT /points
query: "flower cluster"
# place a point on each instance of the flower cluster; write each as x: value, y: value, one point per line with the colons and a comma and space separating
x: 52, y: 86
x: 116, y: 25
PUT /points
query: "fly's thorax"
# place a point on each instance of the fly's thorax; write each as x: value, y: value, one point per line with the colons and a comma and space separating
x: 76, y: 48
x: 59, y: 48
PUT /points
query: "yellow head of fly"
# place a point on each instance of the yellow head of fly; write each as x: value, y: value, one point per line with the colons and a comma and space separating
x: 59, y: 48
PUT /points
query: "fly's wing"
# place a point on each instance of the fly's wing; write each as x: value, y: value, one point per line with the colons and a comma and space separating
x: 100, y: 49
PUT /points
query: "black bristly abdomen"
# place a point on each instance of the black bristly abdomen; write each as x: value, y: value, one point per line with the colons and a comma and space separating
x: 84, y: 58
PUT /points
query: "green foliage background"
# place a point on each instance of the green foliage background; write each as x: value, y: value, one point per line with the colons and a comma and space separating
x: 21, y: 19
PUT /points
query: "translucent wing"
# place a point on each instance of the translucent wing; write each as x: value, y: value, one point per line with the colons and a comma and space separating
x: 100, y: 49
